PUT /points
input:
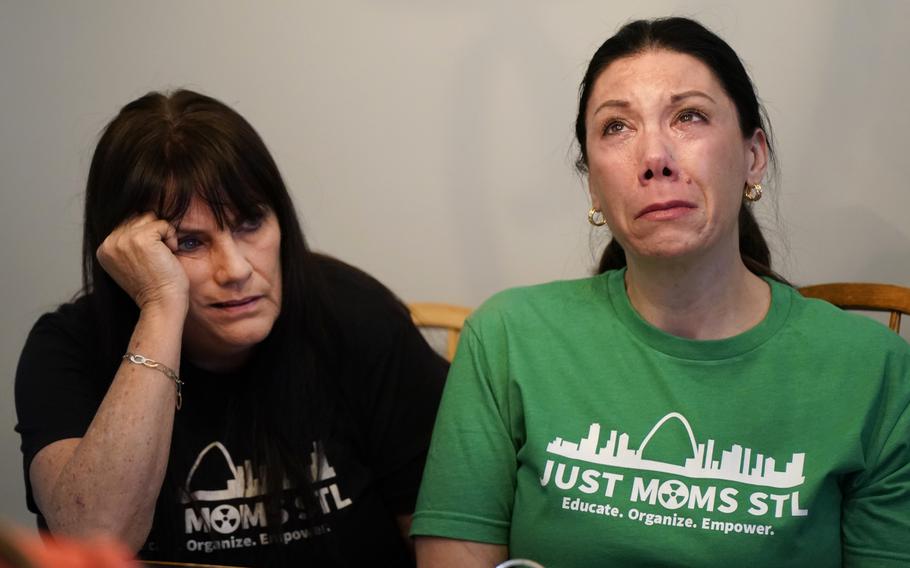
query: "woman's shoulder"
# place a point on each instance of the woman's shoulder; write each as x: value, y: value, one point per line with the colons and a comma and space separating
x: 829, y: 319
x: 67, y: 335
x: 362, y: 309
x: 353, y: 290
x: 62, y: 343
x: 557, y: 299
x: 73, y: 319
x: 827, y: 322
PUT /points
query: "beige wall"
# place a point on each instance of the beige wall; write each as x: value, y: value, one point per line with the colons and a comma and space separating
x: 429, y: 142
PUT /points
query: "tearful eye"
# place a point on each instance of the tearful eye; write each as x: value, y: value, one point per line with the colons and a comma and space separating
x: 691, y: 115
x: 614, y: 127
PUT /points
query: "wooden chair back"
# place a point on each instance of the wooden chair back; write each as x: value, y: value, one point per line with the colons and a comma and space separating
x: 441, y: 316
x: 863, y: 296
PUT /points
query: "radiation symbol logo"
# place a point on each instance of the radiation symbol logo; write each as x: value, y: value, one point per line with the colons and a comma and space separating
x: 673, y: 494
x: 225, y: 519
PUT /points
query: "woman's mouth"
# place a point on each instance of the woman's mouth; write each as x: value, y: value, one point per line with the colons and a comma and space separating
x: 238, y: 304
x: 665, y: 211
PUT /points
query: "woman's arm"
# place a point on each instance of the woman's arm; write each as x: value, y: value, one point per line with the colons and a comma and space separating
x: 468, y: 490
x: 434, y: 552
x: 875, y: 513
x: 108, y: 481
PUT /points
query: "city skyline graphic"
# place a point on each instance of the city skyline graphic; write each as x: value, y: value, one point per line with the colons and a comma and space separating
x: 242, y: 482
x: 735, y: 464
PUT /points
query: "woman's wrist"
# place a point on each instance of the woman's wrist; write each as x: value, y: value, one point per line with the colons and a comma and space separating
x: 159, y: 333
x: 170, y: 312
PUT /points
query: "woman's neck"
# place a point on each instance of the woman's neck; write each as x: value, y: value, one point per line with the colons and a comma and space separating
x: 215, y: 362
x: 704, y: 298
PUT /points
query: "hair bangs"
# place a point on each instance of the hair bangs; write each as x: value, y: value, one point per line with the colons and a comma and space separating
x: 216, y: 176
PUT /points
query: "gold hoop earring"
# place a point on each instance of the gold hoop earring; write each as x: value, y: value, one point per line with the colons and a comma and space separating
x: 753, y: 192
x: 596, y: 222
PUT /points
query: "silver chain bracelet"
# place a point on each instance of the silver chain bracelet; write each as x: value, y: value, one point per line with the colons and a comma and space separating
x: 137, y: 359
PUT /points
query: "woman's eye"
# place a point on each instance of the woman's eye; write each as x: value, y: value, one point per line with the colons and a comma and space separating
x: 188, y: 244
x: 249, y: 226
x: 690, y: 116
x: 614, y: 127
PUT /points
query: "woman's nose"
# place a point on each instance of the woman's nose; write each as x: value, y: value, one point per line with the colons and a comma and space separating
x: 666, y: 172
x: 231, y: 264
x: 657, y: 163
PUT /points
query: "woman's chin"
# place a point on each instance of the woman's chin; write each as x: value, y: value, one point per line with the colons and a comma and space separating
x: 664, y: 251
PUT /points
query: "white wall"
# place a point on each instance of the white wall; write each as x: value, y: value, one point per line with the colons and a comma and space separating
x: 429, y: 142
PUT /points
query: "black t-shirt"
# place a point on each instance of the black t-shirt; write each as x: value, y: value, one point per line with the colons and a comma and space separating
x: 212, y: 508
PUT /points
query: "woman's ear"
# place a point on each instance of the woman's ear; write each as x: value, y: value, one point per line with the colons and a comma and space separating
x: 595, y: 200
x: 757, y: 156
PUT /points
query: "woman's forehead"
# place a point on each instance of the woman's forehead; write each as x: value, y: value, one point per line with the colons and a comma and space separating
x: 654, y: 73
x: 202, y: 213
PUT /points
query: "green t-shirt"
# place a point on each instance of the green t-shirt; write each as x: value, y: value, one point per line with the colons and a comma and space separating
x: 578, y: 434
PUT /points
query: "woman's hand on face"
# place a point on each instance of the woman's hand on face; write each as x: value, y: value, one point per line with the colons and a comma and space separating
x: 140, y: 256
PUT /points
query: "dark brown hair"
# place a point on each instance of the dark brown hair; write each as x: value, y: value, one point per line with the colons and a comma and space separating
x: 158, y: 154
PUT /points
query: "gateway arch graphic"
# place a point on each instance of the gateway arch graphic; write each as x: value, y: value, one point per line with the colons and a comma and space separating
x: 239, y: 482
x: 735, y: 464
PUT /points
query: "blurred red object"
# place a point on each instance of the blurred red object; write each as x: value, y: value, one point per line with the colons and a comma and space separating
x: 23, y: 549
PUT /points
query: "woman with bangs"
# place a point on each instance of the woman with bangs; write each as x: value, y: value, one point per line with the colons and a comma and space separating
x: 219, y: 393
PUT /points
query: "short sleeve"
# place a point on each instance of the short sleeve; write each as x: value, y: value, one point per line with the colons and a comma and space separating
x: 469, y: 484
x: 57, y: 393
x: 407, y: 382
x: 876, y: 509
x: 392, y: 379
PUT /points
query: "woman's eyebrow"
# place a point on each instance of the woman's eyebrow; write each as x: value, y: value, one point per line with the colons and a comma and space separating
x: 675, y: 98
x: 611, y: 103
x: 188, y: 230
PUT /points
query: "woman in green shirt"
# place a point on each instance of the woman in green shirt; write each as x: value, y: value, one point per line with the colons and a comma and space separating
x: 685, y: 407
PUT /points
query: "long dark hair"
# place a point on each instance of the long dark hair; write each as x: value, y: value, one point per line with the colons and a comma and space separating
x: 686, y: 36
x: 158, y: 154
